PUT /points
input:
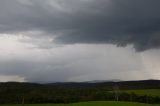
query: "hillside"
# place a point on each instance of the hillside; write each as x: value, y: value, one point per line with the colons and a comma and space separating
x: 68, y: 92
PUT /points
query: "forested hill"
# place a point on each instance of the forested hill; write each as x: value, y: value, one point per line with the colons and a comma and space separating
x: 15, y: 92
x: 140, y: 84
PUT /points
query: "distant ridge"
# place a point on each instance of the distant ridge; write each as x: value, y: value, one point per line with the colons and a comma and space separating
x: 101, y: 81
x: 92, y: 81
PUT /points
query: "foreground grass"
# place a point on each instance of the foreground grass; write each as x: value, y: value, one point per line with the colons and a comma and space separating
x: 100, y: 103
x: 149, y: 92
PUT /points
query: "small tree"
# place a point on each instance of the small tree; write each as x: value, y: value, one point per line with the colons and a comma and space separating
x: 22, y: 100
x: 116, y: 92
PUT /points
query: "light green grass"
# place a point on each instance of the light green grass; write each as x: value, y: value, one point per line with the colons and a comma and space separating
x: 102, y: 103
x: 149, y: 92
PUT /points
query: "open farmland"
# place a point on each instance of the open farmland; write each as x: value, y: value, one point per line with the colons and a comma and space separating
x: 148, y: 92
x: 103, y: 103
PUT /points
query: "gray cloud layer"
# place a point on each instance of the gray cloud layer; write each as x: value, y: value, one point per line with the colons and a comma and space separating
x: 119, y: 22
x: 74, y: 63
x: 87, y: 29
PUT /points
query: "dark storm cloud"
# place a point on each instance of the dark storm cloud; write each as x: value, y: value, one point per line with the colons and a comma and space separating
x: 120, y: 22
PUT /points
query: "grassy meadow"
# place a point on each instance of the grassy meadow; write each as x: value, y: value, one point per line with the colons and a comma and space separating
x: 98, y: 103
x: 149, y: 92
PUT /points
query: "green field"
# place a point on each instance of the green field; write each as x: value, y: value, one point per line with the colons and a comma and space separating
x: 104, y: 103
x: 149, y: 92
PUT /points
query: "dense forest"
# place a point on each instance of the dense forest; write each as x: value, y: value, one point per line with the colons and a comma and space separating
x: 15, y: 92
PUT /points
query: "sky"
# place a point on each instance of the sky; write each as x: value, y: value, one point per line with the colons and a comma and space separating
x: 79, y: 40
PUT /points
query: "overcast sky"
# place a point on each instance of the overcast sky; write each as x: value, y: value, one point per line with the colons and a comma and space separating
x: 79, y: 40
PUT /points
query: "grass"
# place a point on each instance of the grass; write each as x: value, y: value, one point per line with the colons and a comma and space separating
x: 149, y: 92
x: 96, y: 103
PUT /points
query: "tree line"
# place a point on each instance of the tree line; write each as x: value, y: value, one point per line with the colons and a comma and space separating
x: 25, y: 93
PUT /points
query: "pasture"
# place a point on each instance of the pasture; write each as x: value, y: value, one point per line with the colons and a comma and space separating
x: 149, y: 92
x: 96, y: 103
